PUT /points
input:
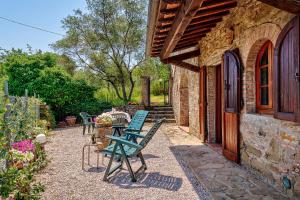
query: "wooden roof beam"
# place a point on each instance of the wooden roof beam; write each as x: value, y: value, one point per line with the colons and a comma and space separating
x: 217, y: 4
x: 208, y: 25
x: 292, y: 6
x: 184, y: 17
x: 185, y: 65
x: 171, y: 11
x: 186, y: 46
x: 207, y: 19
x: 207, y: 13
x: 166, y: 20
x: 172, y: 1
x: 197, y: 31
x: 184, y: 56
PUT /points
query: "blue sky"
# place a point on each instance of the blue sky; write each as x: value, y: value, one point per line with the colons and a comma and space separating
x: 45, y: 14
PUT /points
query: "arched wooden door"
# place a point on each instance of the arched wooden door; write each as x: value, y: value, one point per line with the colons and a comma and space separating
x: 231, y: 105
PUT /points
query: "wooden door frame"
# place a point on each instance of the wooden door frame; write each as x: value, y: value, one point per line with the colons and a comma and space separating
x: 203, y: 119
x: 218, y: 104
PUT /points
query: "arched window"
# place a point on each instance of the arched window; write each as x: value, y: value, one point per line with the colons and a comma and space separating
x: 264, y: 67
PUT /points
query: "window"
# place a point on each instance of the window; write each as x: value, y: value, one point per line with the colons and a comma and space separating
x: 264, y: 66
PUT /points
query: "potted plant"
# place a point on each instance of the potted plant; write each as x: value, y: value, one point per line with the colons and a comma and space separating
x: 71, y: 120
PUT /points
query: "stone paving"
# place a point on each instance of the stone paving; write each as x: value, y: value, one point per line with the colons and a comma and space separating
x: 179, y: 167
x: 223, y: 179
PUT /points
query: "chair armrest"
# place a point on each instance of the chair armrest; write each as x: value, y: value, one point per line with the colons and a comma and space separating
x: 132, y: 130
x: 125, y: 142
x: 119, y: 126
x: 135, y: 135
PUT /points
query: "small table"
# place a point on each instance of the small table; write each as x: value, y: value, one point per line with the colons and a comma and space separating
x: 89, y: 152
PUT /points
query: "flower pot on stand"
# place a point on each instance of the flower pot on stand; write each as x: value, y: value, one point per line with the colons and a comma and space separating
x: 71, y: 120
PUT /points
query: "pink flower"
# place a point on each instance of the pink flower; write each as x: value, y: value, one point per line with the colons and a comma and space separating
x: 24, y: 146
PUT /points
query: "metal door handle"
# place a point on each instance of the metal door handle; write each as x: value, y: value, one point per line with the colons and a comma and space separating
x: 226, y: 85
x: 297, y: 76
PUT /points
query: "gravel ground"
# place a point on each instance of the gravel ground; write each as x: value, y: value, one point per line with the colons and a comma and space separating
x: 167, y: 177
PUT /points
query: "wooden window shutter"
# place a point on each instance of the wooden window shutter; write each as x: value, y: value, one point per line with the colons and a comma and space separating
x: 286, y: 73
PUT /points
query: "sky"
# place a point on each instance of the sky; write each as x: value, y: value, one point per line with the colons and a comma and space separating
x: 46, y: 14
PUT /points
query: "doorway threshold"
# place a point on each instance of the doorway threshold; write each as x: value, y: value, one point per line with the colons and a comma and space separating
x: 185, y: 128
x: 215, y: 147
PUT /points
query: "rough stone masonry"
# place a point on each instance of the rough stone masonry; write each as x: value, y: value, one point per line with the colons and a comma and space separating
x: 269, y: 146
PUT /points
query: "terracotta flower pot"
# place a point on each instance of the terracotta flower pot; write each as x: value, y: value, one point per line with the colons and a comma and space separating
x: 71, y: 120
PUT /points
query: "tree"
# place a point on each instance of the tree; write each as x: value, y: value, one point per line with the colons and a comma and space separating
x: 40, y: 73
x: 108, y: 39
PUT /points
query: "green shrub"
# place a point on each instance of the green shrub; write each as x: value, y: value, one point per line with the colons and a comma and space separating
x: 92, y: 107
x: 157, y: 88
x: 41, y: 75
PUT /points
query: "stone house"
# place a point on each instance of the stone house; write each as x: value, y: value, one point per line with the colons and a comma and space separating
x: 236, y: 78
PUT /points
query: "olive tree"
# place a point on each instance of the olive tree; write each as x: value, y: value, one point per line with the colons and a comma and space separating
x: 108, y: 38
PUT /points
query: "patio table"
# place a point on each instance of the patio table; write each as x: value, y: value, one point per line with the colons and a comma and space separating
x: 119, y: 116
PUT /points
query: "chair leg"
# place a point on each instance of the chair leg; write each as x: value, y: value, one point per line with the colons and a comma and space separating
x: 107, y: 172
x: 133, y: 179
x: 140, y: 155
x: 84, y: 127
x: 82, y: 164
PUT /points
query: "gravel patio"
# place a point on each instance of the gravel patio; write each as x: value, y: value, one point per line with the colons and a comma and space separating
x: 179, y: 167
x: 64, y: 179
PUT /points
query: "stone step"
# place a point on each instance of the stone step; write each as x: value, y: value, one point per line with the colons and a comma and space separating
x: 161, y: 115
x: 166, y: 121
x: 161, y: 108
x: 161, y: 112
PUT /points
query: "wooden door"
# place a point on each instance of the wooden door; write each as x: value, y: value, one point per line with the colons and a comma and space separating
x: 218, y: 121
x: 287, y: 73
x: 202, y: 103
x: 231, y: 105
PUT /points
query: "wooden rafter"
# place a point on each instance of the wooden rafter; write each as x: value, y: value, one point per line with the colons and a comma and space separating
x: 183, y: 18
x: 217, y: 4
x: 192, y: 28
x: 196, y: 32
x: 292, y: 6
x: 207, y: 19
x: 186, y: 46
x: 166, y: 20
x: 169, y: 11
x: 185, y: 65
x: 184, y: 56
x: 212, y: 12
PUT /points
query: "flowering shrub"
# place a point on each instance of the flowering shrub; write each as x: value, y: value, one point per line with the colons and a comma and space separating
x: 24, y: 146
x: 104, y: 118
x: 22, y: 158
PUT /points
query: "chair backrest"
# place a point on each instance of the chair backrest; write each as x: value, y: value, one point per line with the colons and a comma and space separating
x: 138, y: 120
x: 151, y: 133
x: 85, y: 117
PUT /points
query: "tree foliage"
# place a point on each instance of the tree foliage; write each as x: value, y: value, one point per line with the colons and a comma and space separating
x: 40, y: 74
x: 108, y: 39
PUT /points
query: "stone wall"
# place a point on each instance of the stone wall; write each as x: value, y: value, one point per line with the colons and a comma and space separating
x: 211, y: 104
x: 193, y: 96
x: 268, y: 145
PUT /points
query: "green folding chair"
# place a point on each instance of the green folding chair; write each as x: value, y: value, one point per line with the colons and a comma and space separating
x: 87, y: 121
x: 126, y: 149
x: 135, y: 125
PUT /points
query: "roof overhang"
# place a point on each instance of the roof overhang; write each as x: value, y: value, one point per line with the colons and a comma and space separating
x: 178, y: 25
x: 174, y: 25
